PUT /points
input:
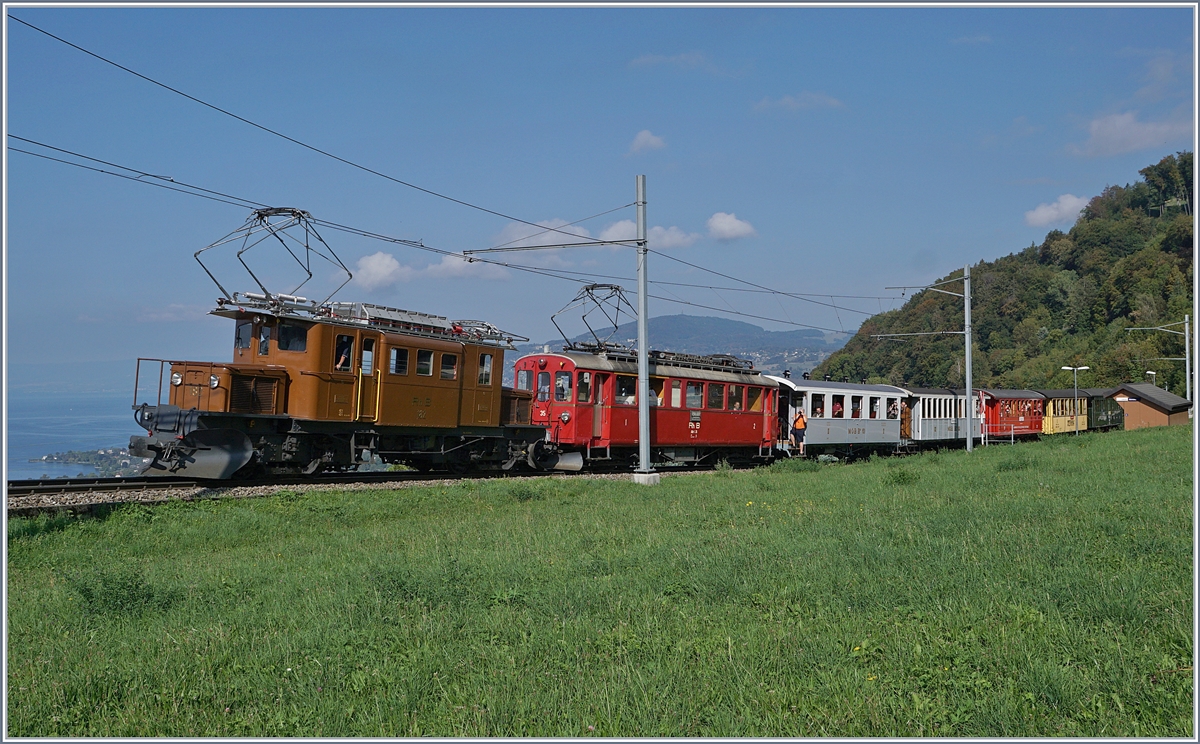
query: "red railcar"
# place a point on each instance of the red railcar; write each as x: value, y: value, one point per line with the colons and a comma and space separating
x: 702, y: 409
x: 1009, y: 414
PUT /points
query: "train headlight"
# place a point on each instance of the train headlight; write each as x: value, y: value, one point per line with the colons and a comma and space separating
x: 565, y: 417
x: 176, y: 378
x: 213, y: 381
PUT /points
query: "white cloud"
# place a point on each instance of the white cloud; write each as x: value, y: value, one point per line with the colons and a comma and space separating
x: 686, y: 61
x: 383, y: 270
x: 380, y: 270
x: 1118, y: 133
x: 805, y: 100
x: 623, y: 230
x: 551, y: 233
x: 657, y: 236
x: 452, y: 267
x: 1066, y: 209
x: 646, y: 141
x: 980, y: 39
x: 726, y: 226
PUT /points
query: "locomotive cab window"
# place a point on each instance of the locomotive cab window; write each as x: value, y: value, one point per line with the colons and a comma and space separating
x: 818, y: 405
x: 525, y: 379
x: 585, y: 388
x: 716, y: 396
x: 626, y: 390
x: 449, y: 366
x: 343, y: 353
x: 562, y: 386
x: 264, y: 340
x: 543, y: 386
x: 485, y: 369
x: 292, y: 337
x: 242, y: 334
x: 424, y: 363
x: 398, y: 363
x: 695, y: 395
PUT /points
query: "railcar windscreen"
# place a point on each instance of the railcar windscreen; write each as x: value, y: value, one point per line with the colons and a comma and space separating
x: 562, y: 386
x: 242, y: 335
x: 292, y: 337
x: 525, y: 379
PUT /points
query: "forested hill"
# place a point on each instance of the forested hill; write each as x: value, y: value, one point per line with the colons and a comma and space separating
x: 1126, y: 262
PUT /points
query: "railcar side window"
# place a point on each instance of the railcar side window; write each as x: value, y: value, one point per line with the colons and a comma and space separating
x: 818, y: 405
x: 893, y: 408
x: 735, y: 397
x: 525, y: 379
x: 716, y: 396
x: 485, y: 369
x: 264, y: 340
x: 874, y: 407
x: 449, y: 366
x: 292, y: 337
x: 585, y: 388
x: 856, y: 406
x: 543, y: 386
x: 839, y: 406
x: 398, y: 364
x: 695, y: 395
x: 368, y: 356
x: 676, y: 393
x: 562, y: 386
x: 242, y: 335
x: 656, y: 391
x: 626, y: 390
x: 754, y: 399
x: 424, y: 363
x: 343, y: 353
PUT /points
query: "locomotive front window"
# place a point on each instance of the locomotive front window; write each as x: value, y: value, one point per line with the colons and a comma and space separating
x: 543, y: 386
x: 562, y: 386
x: 695, y: 395
x: 856, y: 406
x: 449, y: 366
x: 626, y: 390
x: 242, y: 335
x: 292, y: 337
x: 343, y: 353
x: 264, y: 340
x: 424, y: 363
x: 485, y: 369
x: 585, y: 388
x: 525, y: 379
x: 818, y: 405
x: 398, y: 363
x: 754, y: 399
x: 676, y: 393
x: 716, y: 395
x: 735, y: 397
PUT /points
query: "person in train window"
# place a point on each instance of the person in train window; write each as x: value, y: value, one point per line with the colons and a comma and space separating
x: 893, y: 410
x: 837, y: 409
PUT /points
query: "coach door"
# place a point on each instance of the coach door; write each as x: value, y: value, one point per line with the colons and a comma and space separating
x: 905, y: 420
x: 368, y: 382
x: 600, y: 385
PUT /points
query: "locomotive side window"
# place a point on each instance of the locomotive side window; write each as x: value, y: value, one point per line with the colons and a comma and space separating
x: 754, y: 399
x: 874, y: 407
x: 856, y: 406
x: 242, y: 335
x: 676, y: 393
x: 485, y: 369
x: 543, y: 386
x: 695, y: 395
x: 585, y: 388
x: 818, y: 405
x: 398, y: 364
x: 264, y: 340
x: 716, y: 396
x: 449, y: 366
x: 893, y: 408
x: 343, y: 353
x: 626, y: 390
x: 839, y: 406
x: 562, y: 386
x: 735, y: 397
x: 424, y: 363
x: 292, y: 337
x: 525, y: 379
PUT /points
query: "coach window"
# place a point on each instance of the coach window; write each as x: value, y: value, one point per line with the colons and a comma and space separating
x: 398, y: 363
x: 485, y: 369
x: 368, y: 356
x: 449, y: 366
x: 676, y: 393
x: 562, y: 386
x: 424, y: 363
x: 735, y: 397
x: 292, y: 337
x: 543, y: 386
x: 818, y: 405
x: 626, y: 390
x: 716, y: 396
x: 242, y: 335
x: 754, y: 399
x: 584, y: 390
x: 695, y: 395
x: 893, y: 408
x: 525, y: 379
x: 656, y: 391
x: 856, y: 406
x: 873, y: 408
x: 264, y: 340
x: 343, y: 353
x: 839, y: 406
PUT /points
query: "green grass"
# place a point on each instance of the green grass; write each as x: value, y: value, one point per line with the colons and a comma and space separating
x: 1036, y: 590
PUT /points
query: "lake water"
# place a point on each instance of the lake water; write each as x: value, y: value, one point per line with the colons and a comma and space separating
x: 44, y: 423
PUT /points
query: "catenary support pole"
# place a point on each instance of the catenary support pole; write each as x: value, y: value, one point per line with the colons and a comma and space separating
x: 644, y: 473
x: 969, y: 404
x: 1187, y: 357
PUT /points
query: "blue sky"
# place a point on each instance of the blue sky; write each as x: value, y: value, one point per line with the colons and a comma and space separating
x: 811, y: 150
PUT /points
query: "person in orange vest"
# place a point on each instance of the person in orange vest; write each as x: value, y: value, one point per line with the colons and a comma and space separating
x: 799, y: 424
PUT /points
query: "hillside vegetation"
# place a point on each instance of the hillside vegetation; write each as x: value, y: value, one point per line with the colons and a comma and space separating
x: 1126, y: 262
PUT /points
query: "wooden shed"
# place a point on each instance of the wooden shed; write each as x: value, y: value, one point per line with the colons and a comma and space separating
x: 1147, y: 405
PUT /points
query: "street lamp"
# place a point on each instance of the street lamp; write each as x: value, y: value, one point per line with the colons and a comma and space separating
x: 1075, y: 370
x: 1153, y: 378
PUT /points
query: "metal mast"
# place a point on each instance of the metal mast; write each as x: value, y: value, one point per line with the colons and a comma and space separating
x: 969, y: 404
x: 644, y: 473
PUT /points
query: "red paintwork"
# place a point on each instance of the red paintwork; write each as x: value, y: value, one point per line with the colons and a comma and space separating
x: 1023, y: 415
x: 669, y: 426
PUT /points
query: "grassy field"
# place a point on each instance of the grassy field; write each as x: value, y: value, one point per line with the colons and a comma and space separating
x: 1035, y: 590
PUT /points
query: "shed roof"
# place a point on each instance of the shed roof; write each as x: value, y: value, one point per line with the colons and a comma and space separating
x: 1155, y: 396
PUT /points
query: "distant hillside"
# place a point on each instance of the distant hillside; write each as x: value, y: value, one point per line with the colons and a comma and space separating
x: 1126, y: 262
x: 771, y: 351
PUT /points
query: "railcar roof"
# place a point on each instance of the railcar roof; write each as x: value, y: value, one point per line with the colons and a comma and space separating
x: 600, y: 363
